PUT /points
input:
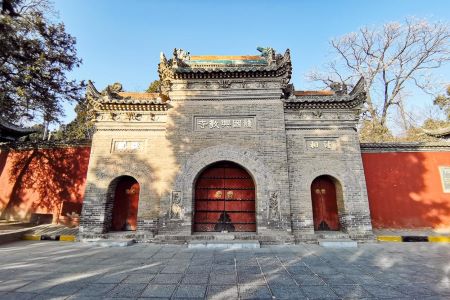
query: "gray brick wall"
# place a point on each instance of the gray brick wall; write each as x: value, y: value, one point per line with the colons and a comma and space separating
x: 172, y: 152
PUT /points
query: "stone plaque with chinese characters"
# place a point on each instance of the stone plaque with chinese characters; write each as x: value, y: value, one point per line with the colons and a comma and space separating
x: 321, y: 144
x: 127, y: 146
x: 229, y: 123
x: 445, y: 178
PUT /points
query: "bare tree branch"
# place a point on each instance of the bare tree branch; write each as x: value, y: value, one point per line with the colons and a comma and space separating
x: 389, y: 58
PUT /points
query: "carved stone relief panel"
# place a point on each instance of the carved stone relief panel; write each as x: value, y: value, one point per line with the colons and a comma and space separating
x: 274, y: 206
x: 129, y: 117
x: 175, y: 205
x: 225, y: 84
x: 350, y: 116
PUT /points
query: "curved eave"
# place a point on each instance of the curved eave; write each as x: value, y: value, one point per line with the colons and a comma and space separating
x: 16, y: 130
x: 10, y: 128
x: 232, y: 73
x: 324, y: 102
x: 441, y: 132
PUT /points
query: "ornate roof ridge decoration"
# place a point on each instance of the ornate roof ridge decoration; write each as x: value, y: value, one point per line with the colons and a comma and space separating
x: 114, y: 98
x: 337, y: 97
x: 185, y: 66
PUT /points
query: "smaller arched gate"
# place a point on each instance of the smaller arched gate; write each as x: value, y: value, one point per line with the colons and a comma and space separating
x: 125, y: 208
x: 324, y: 202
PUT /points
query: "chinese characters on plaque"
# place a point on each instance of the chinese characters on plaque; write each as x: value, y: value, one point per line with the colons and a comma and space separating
x: 321, y: 144
x: 127, y: 146
x: 232, y: 123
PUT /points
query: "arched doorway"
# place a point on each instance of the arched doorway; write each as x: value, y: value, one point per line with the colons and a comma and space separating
x: 324, y: 202
x: 224, y: 199
x: 126, y: 199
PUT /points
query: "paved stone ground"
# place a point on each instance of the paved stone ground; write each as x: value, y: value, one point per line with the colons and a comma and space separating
x: 56, y: 270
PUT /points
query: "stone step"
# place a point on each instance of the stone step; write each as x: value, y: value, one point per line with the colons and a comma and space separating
x: 331, y: 235
x: 338, y: 243
x: 109, y: 242
x: 228, y: 244
x: 263, y: 239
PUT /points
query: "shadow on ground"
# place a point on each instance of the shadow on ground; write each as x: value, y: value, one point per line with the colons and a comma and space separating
x: 49, y: 269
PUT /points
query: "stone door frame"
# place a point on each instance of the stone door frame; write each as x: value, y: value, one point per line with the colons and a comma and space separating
x: 248, y: 159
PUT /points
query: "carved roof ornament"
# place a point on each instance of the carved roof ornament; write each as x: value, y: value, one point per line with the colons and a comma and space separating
x: 269, y: 54
x: 339, y: 88
x: 113, y: 90
x: 110, y: 92
x: 180, y: 54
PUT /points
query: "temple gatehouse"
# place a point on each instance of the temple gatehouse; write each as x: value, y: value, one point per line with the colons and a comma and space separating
x: 227, y: 146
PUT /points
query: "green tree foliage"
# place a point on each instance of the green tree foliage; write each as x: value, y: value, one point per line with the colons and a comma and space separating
x: 417, y: 134
x: 153, y: 87
x: 35, y: 56
x: 80, y: 128
x: 374, y: 132
x: 443, y: 101
x: 36, y: 136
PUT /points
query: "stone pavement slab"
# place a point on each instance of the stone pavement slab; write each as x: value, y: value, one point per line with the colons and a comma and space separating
x: 190, y: 291
x: 222, y: 292
x: 159, y: 291
x: 46, y: 270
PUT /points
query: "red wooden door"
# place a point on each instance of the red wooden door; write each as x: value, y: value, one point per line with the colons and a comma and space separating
x: 126, y: 199
x: 225, y: 199
x: 325, y: 211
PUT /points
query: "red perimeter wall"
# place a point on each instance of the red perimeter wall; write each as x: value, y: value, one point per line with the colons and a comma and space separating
x: 39, y: 180
x: 404, y: 188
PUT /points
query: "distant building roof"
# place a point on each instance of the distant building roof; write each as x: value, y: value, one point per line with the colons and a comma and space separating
x: 10, y: 132
x: 439, y: 133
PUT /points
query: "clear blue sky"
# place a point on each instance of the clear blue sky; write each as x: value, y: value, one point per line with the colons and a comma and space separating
x: 121, y: 40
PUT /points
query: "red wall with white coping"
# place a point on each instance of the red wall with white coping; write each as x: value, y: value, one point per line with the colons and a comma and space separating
x: 39, y: 180
x: 404, y: 188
